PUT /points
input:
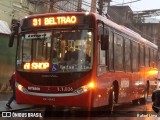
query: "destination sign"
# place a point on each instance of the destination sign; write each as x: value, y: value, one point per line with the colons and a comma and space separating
x: 57, y: 21
x: 53, y: 21
x: 38, y: 35
x: 36, y: 66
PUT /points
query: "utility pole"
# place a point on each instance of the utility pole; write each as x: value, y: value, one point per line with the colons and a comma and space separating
x: 100, y: 7
x: 101, y: 4
x: 93, y: 6
x: 79, y: 5
x: 107, y: 7
x: 50, y: 6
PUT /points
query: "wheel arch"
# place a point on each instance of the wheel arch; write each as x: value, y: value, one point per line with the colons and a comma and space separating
x: 116, y: 90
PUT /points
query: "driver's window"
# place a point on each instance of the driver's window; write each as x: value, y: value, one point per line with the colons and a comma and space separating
x: 26, y: 50
x: 102, y: 54
x: 41, y: 48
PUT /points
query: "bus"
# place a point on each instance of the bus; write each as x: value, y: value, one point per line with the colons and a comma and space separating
x: 81, y: 59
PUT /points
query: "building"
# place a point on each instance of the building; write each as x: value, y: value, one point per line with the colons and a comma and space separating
x: 124, y: 15
x: 12, y: 10
x: 67, y: 5
x: 120, y: 14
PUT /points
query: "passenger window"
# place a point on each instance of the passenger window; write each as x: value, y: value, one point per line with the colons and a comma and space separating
x: 146, y: 56
x: 111, y: 57
x: 135, y: 57
x: 102, y: 53
x: 118, y: 52
x: 127, y: 55
x: 151, y: 58
x: 141, y: 55
x: 155, y: 58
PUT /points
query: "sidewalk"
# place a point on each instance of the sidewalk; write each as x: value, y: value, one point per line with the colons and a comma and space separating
x: 4, y: 97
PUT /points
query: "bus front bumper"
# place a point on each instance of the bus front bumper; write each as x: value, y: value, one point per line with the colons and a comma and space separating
x: 81, y: 97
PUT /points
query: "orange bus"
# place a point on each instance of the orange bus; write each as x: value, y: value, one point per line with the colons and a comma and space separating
x: 81, y: 59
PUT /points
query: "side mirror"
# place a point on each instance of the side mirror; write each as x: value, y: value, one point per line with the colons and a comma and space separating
x: 11, y: 39
x: 104, y: 42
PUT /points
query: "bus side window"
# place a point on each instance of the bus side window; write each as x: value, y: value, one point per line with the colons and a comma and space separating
x: 146, y: 56
x: 127, y: 55
x: 142, y: 55
x: 105, y: 39
x: 135, y: 57
x: 118, y: 52
x: 151, y: 53
x: 155, y: 58
x: 102, y: 54
x: 111, y: 57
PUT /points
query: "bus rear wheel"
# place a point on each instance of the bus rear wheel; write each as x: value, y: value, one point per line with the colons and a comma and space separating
x: 146, y: 93
x: 143, y: 100
x: 135, y: 102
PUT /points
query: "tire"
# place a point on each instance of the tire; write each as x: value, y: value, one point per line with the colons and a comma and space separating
x: 135, y: 102
x: 155, y: 109
x: 48, y: 111
x: 111, y: 101
x: 143, y: 100
x: 153, y: 97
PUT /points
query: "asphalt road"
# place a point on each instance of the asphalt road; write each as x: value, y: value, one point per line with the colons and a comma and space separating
x: 122, y: 112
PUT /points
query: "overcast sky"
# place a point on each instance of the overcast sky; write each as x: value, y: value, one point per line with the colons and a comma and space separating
x: 140, y: 5
x: 135, y: 6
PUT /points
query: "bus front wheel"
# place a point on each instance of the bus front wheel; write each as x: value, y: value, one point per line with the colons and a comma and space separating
x: 112, y: 98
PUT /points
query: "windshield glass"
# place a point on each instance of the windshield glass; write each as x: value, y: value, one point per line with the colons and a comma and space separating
x: 56, y: 51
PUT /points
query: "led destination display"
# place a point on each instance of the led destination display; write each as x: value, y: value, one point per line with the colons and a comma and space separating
x: 56, y: 21
x: 51, y: 21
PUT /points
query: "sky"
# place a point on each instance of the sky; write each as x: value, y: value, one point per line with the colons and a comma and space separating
x: 140, y: 5
x: 137, y: 6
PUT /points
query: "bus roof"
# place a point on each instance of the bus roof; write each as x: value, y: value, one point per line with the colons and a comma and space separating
x: 125, y: 30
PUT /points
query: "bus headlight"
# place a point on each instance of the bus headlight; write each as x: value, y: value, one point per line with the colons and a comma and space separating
x: 85, y: 88
x: 21, y: 88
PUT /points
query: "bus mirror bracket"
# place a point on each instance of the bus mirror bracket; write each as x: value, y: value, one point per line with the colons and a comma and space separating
x: 104, y: 42
x: 11, y: 39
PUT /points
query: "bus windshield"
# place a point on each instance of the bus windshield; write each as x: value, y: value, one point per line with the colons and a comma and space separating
x: 56, y: 51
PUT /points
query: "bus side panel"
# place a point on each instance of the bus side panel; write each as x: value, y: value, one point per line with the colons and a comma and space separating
x: 128, y: 89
